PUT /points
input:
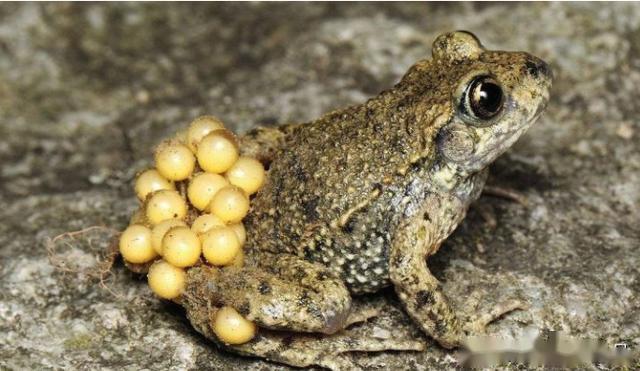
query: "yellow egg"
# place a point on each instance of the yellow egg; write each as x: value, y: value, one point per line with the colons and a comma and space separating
x: 174, y: 160
x: 205, y: 222
x: 150, y: 181
x: 163, y: 205
x: 158, y: 232
x: 181, y: 247
x: 217, y: 151
x: 203, y: 187
x: 241, y: 232
x: 220, y: 245
x: 165, y: 280
x: 230, y: 204
x: 231, y: 328
x: 247, y: 173
x: 199, y: 128
x: 135, y: 244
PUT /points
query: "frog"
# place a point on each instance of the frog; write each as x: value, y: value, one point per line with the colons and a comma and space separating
x: 359, y: 199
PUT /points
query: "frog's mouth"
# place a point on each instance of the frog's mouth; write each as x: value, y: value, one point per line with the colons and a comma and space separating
x: 493, y: 142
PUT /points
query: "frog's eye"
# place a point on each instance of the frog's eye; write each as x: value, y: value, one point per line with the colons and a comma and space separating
x: 483, y: 98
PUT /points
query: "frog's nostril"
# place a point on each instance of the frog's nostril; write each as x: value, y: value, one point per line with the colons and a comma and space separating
x: 537, y: 68
x: 545, y: 70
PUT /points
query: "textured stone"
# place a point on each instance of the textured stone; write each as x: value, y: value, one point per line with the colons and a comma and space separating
x: 86, y: 91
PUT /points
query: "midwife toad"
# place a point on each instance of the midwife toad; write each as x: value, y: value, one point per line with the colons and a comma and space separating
x: 358, y: 199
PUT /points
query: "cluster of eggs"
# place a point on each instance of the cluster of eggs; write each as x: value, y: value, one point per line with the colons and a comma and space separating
x: 193, y: 203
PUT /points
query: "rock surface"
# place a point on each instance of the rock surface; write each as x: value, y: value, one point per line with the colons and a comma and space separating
x: 88, y: 90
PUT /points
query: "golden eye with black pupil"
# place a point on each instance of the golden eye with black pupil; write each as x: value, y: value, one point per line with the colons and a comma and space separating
x: 483, y: 98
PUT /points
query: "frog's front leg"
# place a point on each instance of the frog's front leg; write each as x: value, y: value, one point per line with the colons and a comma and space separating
x: 421, y: 292
x: 418, y: 289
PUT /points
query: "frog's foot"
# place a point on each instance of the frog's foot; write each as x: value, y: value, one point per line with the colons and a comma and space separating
x: 361, y: 314
x: 507, y: 193
x: 286, y: 293
x: 477, y: 324
x: 330, y: 351
x: 334, y: 351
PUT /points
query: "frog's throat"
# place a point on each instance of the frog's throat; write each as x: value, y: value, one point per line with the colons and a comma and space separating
x: 447, y: 176
x: 450, y: 179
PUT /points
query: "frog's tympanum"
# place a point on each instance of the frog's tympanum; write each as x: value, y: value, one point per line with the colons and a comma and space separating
x: 358, y: 199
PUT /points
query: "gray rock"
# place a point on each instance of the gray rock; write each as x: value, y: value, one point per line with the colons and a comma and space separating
x: 88, y: 90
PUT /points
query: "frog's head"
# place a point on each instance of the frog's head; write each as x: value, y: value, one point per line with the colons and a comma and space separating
x: 491, y: 98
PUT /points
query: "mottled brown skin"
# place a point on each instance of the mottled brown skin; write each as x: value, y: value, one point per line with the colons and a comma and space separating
x: 358, y: 199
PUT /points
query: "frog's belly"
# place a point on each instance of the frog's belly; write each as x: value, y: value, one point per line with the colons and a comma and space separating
x: 362, y: 276
x: 362, y: 264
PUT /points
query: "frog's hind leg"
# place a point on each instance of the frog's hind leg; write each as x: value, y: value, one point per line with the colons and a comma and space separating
x: 283, y: 292
x: 306, y: 315
x: 331, y: 351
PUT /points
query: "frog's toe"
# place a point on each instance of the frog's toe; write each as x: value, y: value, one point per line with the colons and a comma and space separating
x: 379, y: 345
x: 339, y: 362
x: 361, y: 314
x: 506, y: 193
x: 478, y: 324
